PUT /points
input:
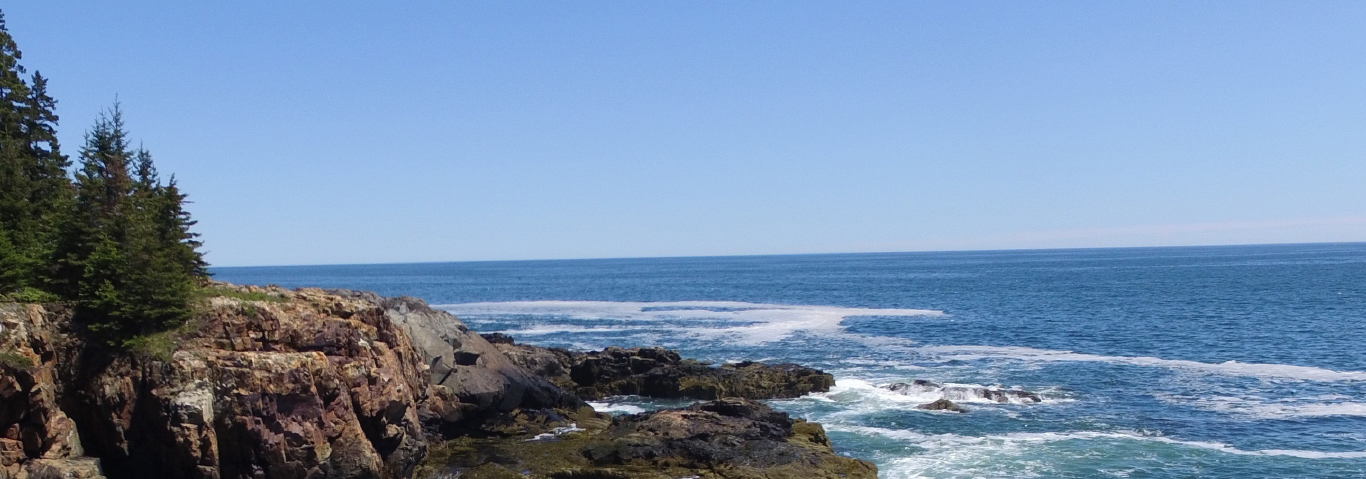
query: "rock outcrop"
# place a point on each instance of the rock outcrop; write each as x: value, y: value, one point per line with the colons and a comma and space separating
x: 661, y: 373
x: 37, y: 438
x: 724, y: 439
x: 299, y: 384
x: 271, y: 383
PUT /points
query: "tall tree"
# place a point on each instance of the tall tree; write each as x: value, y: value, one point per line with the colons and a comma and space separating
x: 128, y: 253
x: 34, y: 187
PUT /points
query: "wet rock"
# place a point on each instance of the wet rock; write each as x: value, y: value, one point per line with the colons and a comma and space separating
x: 941, y: 405
x: 966, y: 393
x: 661, y: 373
x: 724, y: 439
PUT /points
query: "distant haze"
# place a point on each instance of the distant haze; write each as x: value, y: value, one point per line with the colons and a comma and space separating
x: 323, y: 132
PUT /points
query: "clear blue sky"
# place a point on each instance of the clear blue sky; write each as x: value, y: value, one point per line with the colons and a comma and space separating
x: 353, y: 132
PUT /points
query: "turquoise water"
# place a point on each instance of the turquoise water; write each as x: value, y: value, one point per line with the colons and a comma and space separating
x: 1211, y: 362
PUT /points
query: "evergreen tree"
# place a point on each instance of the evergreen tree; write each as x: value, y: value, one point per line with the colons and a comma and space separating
x: 128, y: 253
x: 34, y: 188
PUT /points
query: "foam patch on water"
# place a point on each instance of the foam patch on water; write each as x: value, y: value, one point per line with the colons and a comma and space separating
x: 1263, y: 408
x: 744, y: 323
x: 1231, y: 368
x: 1039, y: 454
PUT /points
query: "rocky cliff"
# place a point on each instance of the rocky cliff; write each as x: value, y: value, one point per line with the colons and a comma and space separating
x: 270, y: 383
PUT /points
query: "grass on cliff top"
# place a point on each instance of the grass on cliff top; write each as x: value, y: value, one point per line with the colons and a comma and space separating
x: 228, y: 292
x: 15, y: 360
x: 161, y: 346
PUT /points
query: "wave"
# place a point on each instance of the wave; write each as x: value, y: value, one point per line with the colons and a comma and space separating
x: 858, y: 397
x: 1263, y: 408
x: 757, y: 323
x: 745, y: 323
x: 1231, y: 368
x: 616, y: 408
x: 955, y: 441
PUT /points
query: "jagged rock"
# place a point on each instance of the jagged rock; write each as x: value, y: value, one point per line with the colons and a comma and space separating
x: 73, y: 468
x: 270, y: 383
x: 313, y: 385
x: 964, y: 393
x: 661, y: 373
x: 941, y: 405
x: 33, y: 426
x: 474, y: 371
x: 724, y: 439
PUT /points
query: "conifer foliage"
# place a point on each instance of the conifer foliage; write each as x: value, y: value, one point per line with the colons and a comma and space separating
x: 116, y: 241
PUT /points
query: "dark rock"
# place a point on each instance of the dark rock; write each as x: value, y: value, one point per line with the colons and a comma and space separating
x: 498, y: 338
x: 724, y: 439
x: 963, y: 393
x: 941, y: 405
x: 477, y: 374
x: 661, y: 373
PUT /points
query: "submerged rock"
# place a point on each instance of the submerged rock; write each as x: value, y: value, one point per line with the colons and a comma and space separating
x: 965, y: 393
x: 661, y: 373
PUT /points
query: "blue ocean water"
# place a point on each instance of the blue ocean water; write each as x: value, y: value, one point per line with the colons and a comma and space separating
x: 1210, y: 362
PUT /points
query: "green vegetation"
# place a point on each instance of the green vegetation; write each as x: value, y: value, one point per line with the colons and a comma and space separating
x: 112, y: 237
x: 15, y: 360
x: 212, y: 291
x: 29, y: 294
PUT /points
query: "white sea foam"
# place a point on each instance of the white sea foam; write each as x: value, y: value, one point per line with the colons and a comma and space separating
x: 745, y: 323
x: 1231, y: 368
x: 557, y: 432
x: 948, y: 449
x: 1264, y: 408
x: 616, y: 408
x: 859, y: 397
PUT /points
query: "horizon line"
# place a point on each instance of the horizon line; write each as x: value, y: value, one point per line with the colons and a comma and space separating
x: 763, y: 255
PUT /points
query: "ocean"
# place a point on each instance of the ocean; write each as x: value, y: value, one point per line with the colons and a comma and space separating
x: 1190, y: 362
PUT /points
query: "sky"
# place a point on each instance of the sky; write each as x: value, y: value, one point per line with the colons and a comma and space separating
x: 311, y: 132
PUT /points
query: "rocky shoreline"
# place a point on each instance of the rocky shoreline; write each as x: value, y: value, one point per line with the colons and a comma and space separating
x: 273, y: 383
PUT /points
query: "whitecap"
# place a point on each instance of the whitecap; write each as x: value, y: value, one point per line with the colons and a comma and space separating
x: 1264, y: 408
x: 616, y: 408
x: 741, y: 322
x: 934, y: 443
x: 1230, y: 368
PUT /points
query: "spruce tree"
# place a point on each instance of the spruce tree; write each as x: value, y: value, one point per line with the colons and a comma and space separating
x: 128, y: 253
x: 34, y: 188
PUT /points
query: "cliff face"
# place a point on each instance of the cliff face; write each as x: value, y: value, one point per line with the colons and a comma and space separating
x: 298, y: 384
x: 35, y: 432
x: 269, y: 383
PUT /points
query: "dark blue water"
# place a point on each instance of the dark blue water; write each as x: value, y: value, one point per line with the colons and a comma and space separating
x: 1233, y: 361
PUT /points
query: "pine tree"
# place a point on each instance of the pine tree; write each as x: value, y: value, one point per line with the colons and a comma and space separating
x: 128, y: 254
x: 15, y: 215
x: 34, y: 188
